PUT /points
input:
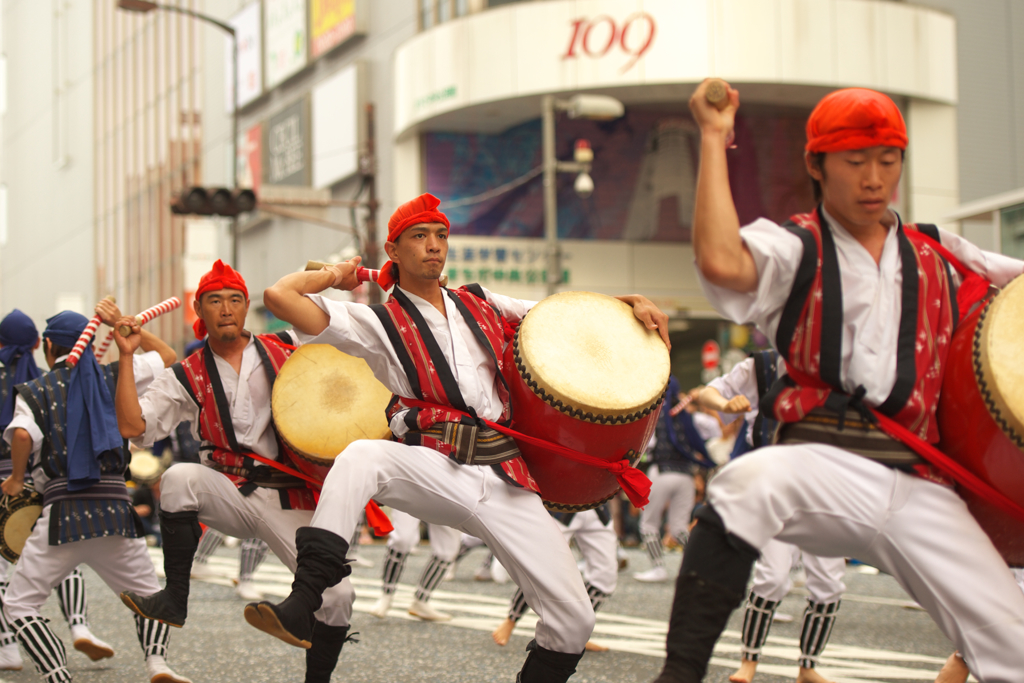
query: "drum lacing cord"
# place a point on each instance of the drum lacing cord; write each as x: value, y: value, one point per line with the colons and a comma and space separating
x: 5, y: 499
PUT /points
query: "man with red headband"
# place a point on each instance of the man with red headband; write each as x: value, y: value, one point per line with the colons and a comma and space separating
x: 224, y: 391
x: 439, y: 351
x: 856, y: 302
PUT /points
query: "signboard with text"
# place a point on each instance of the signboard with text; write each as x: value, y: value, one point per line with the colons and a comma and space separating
x: 250, y: 158
x: 336, y: 118
x: 284, y: 32
x: 286, y: 146
x: 331, y: 23
x: 248, y: 31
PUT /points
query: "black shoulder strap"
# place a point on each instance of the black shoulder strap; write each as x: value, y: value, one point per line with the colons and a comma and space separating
x: 906, y: 345
x: 478, y: 333
x: 759, y: 374
x: 801, y: 288
x: 476, y: 290
x: 381, y: 311
x: 932, y: 231
x: 444, y: 371
x: 285, y: 337
x: 268, y: 367
x: 830, y: 345
x: 929, y: 230
x: 220, y: 397
x: 182, y: 377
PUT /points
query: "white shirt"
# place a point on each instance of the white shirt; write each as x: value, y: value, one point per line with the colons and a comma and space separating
x: 742, y: 380
x: 146, y: 366
x: 871, y: 295
x: 355, y: 329
x: 707, y: 426
x: 167, y: 404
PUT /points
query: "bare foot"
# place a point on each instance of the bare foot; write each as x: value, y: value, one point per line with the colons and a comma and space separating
x: 745, y: 673
x: 954, y: 670
x: 594, y: 647
x: 503, y: 632
x: 810, y: 676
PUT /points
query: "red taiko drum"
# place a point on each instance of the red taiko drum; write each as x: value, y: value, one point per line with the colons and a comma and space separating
x: 583, y: 372
x: 323, y: 400
x: 981, y: 411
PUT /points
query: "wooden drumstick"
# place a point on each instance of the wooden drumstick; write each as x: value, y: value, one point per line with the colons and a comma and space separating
x: 717, y: 93
x: 362, y: 274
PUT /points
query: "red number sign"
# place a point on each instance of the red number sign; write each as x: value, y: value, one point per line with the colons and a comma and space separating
x: 598, y: 36
x: 710, y: 354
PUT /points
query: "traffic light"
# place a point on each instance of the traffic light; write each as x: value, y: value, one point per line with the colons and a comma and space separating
x: 213, y: 201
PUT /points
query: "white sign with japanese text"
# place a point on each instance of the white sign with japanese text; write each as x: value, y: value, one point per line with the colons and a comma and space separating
x: 285, y: 32
x: 247, y: 25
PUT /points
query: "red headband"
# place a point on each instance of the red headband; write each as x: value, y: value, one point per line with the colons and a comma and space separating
x: 221, y: 276
x: 855, y: 118
x: 422, y: 209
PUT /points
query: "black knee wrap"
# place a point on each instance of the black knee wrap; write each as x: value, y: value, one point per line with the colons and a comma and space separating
x: 547, y: 666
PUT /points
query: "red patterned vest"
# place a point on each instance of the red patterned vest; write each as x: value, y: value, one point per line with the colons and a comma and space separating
x: 430, y: 375
x: 198, y: 374
x: 810, y: 330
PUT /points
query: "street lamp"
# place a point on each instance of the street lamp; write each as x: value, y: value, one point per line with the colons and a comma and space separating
x: 594, y: 107
x: 144, y: 7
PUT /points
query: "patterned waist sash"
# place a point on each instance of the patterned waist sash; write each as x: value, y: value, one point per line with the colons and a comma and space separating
x: 109, y: 487
x: 471, y: 444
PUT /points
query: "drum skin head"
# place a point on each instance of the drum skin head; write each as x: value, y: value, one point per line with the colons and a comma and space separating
x: 998, y: 347
x: 589, y: 351
x: 324, y: 400
x: 16, y: 524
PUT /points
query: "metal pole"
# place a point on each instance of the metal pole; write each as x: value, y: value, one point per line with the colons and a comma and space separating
x: 234, y: 143
x: 554, y: 255
x: 372, y: 254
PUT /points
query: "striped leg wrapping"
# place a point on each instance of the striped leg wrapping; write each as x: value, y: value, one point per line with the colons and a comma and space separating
x: 153, y: 636
x: 71, y: 596
x: 46, y: 650
x: 819, y: 618
x: 756, y: 623
x: 517, y: 608
x: 208, y: 544
x: 597, y: 596
x: 253, y: 552
x: 7, y: 636
x: 652, y: 543
x: 433, y: 575
x: 394, y: 562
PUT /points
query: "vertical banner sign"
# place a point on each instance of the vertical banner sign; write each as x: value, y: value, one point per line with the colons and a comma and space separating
x: 286, y: 146
x: 250, y: 158
x: 250, y: 57
x: 331, y: 23
x: 284, y: 33
x: 336, y: 118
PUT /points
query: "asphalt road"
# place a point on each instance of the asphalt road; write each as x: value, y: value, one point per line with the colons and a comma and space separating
x: 877, y: 638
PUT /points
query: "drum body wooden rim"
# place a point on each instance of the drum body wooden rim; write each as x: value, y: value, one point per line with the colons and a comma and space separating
x: 977, y: 427
x: 567, y: 486
x: 323, y: 400
x: 16, y: 522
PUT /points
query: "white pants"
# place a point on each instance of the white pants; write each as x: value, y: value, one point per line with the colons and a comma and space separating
x: 191, y: 487
x: 122, y: 563
x: 444, y: 540
x: 510, y: 520
x: 598, y: 545
x: 833, y: 503
x: 674, y: 491
x: 771, y: 573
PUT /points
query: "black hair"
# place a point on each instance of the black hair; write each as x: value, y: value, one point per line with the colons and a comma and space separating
x: 57, y: 350
x: 818, y: 161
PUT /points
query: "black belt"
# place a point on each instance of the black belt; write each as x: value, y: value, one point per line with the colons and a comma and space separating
x: 852, y: 433
x: 109, y: 487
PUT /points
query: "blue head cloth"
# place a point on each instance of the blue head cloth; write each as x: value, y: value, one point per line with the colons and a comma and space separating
x: 91, y: 425
x: 18, y: 334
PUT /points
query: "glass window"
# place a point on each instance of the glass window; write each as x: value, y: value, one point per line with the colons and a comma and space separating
x: 426, y: 14
x: 1011, y: 223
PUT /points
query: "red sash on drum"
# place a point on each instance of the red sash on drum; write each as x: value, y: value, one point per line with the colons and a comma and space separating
x: 375, y: 517
x: 634, y: 483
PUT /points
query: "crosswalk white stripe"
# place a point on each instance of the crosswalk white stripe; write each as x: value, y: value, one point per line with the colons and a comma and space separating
x: 619, y: 632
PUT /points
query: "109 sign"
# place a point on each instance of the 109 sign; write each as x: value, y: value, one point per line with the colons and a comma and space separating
x: 598, y: 36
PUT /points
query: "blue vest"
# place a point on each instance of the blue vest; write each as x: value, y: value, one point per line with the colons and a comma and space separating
x: 101, y: 510
x: 6, y: 380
